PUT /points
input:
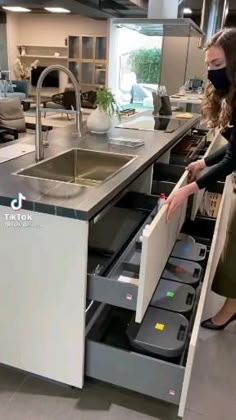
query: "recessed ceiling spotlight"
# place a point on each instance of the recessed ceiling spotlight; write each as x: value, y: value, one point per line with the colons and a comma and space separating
x: 56, y: 10
x: 187, y: 11
x: 16, y: 9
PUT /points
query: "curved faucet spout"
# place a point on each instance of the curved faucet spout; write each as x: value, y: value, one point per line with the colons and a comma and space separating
x: 39, y: 147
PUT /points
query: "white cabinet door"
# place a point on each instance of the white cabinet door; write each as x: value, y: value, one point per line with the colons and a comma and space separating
x: 214, y: 256
x: 158, y: 240
x: 216, y: 143
x: 43, y: 295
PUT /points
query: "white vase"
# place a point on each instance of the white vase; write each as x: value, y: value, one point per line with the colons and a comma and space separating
x: 99, y: 122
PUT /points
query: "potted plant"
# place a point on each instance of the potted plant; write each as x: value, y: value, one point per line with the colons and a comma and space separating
x: 23, y: 72
x: 100, y: 121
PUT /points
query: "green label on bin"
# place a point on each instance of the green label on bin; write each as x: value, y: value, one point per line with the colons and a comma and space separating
x: 170, y: 295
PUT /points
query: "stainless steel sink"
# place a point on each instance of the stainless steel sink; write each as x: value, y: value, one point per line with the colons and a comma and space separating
x: 79, y: 166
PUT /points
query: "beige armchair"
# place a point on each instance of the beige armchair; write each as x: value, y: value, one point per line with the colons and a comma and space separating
x: 12, y: 115
x: 12, y: 119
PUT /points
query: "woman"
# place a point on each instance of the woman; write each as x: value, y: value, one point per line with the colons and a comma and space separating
x: 219, y: 109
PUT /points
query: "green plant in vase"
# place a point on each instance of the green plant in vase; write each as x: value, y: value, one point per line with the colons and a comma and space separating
x: 106, y: 101
x: 100, y: 121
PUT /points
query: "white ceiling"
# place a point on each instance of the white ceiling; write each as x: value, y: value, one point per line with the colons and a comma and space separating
x: 119, y: 8
x: 133, y: 8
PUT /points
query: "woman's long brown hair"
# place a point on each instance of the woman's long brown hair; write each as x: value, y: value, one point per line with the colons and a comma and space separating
x: 217, y: 108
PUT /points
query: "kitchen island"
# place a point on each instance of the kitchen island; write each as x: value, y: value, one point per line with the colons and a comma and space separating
x: 45, y: 278
x: 82, y: 203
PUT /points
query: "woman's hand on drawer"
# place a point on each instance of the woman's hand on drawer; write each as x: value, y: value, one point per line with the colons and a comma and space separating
x: 177, y: 198
x: 194, y: 168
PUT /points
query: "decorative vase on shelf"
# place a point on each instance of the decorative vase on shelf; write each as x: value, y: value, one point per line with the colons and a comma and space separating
x: 99, y: 122
x: 23, y: 51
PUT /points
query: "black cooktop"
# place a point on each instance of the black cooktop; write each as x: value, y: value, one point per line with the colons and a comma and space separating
x: 153, y: 123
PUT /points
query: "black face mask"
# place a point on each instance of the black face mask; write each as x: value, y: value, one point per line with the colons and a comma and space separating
x: 219, y: 79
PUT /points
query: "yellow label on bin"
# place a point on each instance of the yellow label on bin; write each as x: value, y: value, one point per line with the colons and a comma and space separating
x: 159, y: 327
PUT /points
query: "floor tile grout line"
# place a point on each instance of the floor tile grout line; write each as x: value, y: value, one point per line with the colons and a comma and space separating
x: 18, y: 388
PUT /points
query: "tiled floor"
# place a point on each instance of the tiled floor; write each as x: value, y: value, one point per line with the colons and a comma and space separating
x: 212, y: 393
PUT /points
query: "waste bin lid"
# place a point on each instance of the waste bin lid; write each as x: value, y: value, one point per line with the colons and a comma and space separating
x: 162, y: 333
x: 183, y: 271
x: 174, y: 296
x: 189, y: 251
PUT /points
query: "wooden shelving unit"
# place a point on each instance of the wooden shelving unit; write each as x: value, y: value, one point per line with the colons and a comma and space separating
x: 42, y: 52
x: 87, y: 59
x: 60, y: 57
x: 85, y: 56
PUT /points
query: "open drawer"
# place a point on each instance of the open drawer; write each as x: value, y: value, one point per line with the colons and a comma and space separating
x: 165, y: 177
x: 187, y: 149
x: 216, y: 143
x: 191, y: 147
x: 110, y: 358
x: 124, y: 285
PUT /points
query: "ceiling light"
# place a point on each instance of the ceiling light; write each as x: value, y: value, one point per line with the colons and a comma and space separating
x: 187, y: 11
x: 56, y: 10
x: 16, y: 9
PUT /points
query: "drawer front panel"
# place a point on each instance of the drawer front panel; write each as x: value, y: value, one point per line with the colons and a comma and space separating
x: 137, y: 372
x: 216, y: 143
x: 158, y: 240
x: 215, y: 252
x: 112, y: 292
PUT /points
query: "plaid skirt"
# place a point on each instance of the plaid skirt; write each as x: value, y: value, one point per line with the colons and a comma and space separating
x: 224, y: 282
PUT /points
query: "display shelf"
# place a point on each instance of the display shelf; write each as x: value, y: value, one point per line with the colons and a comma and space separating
x: 100, y: 48
x: 41, y: 46
x: 61, y: 57
x: 97, y: 62
x: 87, y: 48
x: 88, y: 53
x: 42, y: 52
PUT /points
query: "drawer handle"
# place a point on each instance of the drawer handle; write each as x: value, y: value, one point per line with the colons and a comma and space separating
x: 202, y: 252
x: 138, y: 245
x: 189, y: 299
x: 181, y: 333
x: 196, y: 273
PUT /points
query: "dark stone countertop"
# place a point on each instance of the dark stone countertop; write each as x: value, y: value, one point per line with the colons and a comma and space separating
x: 75, y: 201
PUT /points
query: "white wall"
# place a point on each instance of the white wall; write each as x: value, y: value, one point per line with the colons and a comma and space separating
x: 48, y: 30
x: 53, y: 29
x: 12, y: 39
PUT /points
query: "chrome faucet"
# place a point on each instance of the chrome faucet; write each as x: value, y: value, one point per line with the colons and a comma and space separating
x: 39, y: 146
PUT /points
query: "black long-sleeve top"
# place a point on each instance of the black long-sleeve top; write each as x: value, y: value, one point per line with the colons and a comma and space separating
x: 223, y: 161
